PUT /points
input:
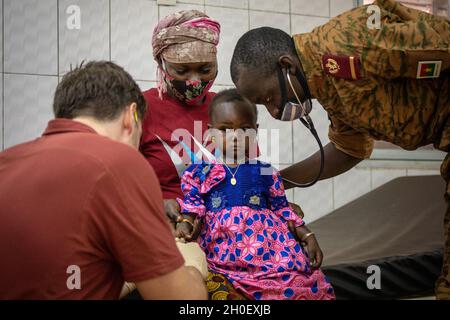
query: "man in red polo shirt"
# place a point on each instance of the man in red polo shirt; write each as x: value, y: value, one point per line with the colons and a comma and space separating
x: 80, y: 209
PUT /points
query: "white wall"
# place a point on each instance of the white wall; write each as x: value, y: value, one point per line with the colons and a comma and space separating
x: 37, y: 49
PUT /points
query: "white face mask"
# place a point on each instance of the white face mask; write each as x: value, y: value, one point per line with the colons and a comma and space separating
x: 293, y: 111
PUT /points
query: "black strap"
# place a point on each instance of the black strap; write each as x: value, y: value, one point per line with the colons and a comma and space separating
x: 304, y: 84
x: 283, y: 89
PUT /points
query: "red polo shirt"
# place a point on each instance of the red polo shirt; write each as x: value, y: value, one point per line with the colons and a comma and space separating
x: 75, y: 198
x: 163, y: 118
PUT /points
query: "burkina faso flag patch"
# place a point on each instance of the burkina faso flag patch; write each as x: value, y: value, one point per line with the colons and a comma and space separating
x: 428, y: 69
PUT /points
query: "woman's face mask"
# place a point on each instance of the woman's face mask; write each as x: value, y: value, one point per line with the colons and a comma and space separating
x: 190, y: 91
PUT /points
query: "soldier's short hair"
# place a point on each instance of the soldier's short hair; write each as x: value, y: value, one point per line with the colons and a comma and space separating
x: 260, y: 49
x: 99, y: 89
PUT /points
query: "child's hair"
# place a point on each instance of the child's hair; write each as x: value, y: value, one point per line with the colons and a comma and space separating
x: 230, y: 95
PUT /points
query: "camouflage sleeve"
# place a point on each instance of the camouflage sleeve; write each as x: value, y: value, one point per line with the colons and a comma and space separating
x: 350, y: 141
x: 405, y: 38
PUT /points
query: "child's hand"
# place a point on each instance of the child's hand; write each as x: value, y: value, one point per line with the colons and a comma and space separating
x: 184, y: 231
x: 296, y: 208
x: 314, y: 252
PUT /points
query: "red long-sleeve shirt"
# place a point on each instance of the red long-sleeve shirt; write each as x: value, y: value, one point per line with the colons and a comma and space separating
x: 162, y: 119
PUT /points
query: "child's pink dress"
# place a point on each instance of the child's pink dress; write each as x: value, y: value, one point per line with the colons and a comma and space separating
x: 245, y: 235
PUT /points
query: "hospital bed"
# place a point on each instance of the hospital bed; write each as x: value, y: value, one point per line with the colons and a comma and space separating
x: 387, y: 244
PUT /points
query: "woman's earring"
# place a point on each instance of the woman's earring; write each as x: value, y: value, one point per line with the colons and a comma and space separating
x: 213, y: 139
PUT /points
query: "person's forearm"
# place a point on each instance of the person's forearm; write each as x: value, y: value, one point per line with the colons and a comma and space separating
x: 198, y: 290
x: 185, y: 283
x: 301, y: 232
x: 336, y: 162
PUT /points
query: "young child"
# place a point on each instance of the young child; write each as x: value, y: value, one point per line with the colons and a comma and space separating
x: 245, y: 215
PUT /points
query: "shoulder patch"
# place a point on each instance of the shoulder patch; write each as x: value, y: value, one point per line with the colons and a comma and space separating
x: 428, y: 69
x: 346, y: 67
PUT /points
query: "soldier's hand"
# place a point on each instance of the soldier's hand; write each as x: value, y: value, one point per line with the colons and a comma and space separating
x: 314, y: 252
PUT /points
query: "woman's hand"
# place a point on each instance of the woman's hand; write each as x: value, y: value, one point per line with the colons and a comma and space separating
x: 172, y: 209
x: 296, y: 208
x: 188, y: 231
x: 314, y: 252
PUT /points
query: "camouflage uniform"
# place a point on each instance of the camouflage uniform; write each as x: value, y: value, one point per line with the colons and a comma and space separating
x: 370, y: 83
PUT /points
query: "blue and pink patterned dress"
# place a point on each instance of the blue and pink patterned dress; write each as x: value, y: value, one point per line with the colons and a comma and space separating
x: 245, y: 235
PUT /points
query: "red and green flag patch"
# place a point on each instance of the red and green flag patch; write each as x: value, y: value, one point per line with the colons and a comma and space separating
x: 428, y: 69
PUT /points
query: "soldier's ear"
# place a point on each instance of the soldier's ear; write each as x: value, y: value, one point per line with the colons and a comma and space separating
x: 288, y: 63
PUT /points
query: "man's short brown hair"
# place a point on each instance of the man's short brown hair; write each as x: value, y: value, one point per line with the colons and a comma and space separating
x: 99, y: 89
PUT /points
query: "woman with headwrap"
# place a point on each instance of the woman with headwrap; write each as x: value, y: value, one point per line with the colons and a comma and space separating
x: 185, y: 48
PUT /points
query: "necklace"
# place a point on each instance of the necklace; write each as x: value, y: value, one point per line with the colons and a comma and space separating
x: 233, y: 175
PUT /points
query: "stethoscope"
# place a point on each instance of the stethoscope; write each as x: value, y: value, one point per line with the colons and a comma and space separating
x: 306, y: 120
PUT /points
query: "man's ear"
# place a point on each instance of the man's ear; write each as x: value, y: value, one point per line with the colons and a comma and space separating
x: 130, y: 116
x: 287, y: 62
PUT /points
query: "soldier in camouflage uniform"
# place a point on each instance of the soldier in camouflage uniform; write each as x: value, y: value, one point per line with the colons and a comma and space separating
x: 389, y: 82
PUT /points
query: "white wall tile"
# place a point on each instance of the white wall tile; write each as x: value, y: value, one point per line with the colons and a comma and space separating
x: 166, y: 10
x: 270, y: 5
x: 383, y: 176
x: 81, y: 44
x: 303, y: 24
x: 201, y: 2
x: 217, y: 88
x: 274, y: 150
x: 304, y: 142
x: 339, y: 6
x: 234, y: 24
x: 30, y: 43
x: 350, y: 186
x: 418, y: 172
x: 315, y: 201
x: 28, y: 106
x: 1, y: 36
x: 319, y: 8
x: 228, y: 3
x: 270, y: 19
x: 132, y: 24
x: 146, y: 85
x: 290, y: 195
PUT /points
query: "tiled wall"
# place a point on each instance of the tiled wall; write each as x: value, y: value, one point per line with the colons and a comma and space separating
x: 38, y: 48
